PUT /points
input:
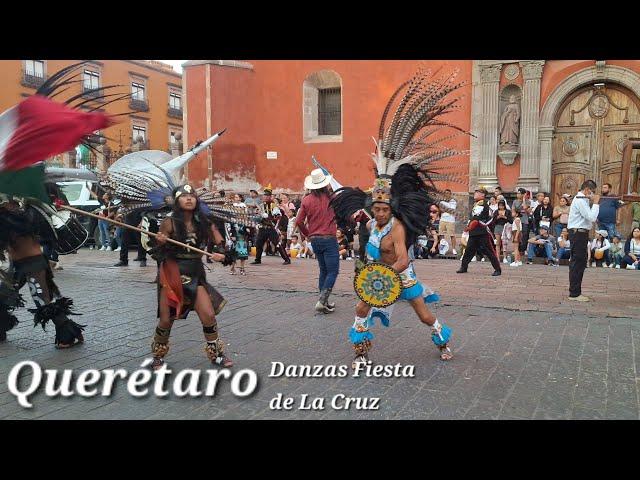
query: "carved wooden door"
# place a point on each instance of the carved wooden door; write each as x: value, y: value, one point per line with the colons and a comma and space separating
x: 590, y: 131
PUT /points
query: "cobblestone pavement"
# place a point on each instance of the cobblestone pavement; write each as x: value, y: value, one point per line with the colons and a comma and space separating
x: 522, y: 351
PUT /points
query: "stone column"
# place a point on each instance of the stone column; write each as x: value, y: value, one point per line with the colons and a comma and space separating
x: 545, y: 136
x: 490, y: 80
x: 476, y: 126
x: 529, y: 156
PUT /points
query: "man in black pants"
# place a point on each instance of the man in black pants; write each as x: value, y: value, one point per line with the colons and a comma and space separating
x: 267, y: 230
x: 480, y: 239
x: 581, y: 218
x: 128, y: 237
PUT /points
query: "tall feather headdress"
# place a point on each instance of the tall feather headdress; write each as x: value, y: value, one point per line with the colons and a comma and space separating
x: 411, y: 154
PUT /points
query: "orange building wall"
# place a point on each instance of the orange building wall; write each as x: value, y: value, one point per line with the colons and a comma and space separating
x: 113, y: 72
x: 234, y: 156
x: 197, y: 121
x: 262, y: 108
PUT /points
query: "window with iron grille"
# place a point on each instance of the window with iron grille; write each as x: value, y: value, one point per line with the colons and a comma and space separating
x: 137, y: 91
x: 139, y: 131
x: 91, y: 80
x: 329, y: 111
x: 175, y: 101
x: 34, y: 68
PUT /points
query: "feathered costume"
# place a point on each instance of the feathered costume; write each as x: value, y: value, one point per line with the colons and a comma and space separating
x: 181, y: 273
x: 409, y: 158
x: 26, y: 219
x: 143, y: 181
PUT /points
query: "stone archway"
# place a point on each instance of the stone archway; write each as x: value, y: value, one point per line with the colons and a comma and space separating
x: 598, y: 73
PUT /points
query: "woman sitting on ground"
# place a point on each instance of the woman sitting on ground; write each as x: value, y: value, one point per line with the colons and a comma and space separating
x: 561, y: 215
x: 631, y: 257
x: 600, y: 244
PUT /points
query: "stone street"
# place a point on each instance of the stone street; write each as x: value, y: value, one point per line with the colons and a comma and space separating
x: 522, y: 351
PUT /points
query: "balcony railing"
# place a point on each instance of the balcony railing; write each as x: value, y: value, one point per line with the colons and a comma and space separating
x: 139, y: 105
x: 144, y: 145
x: 90, y: 92
x: 32, y: 79
x: 174, y: 112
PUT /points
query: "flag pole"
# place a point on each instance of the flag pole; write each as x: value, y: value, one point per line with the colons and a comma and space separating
x: 131, y: 227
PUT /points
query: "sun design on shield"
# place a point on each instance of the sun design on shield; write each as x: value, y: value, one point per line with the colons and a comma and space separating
x: 378, y: 285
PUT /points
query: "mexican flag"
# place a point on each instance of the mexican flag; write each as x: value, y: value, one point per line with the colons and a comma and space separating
x: 26, y: 182
x: 34, y: 130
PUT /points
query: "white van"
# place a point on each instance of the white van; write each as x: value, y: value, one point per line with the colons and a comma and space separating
x: 76, y: 184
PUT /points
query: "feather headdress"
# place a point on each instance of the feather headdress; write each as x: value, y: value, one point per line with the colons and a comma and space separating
x: 410, y: 154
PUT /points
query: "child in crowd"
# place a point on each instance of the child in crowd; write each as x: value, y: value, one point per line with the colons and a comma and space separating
x: 616, y: 252
x: 295, y: 244
x: 516, y: 234
x: 343, y: 244
x: 307, y: 249
x: 291, y: 226
x: 239, y: 236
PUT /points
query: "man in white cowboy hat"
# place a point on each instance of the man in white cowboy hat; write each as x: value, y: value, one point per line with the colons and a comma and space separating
x: 320, y: 228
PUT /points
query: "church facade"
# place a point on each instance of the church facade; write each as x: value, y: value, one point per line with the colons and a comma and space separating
x: 545, y: 125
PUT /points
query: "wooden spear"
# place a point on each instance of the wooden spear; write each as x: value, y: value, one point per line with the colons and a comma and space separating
x: 131, y: 227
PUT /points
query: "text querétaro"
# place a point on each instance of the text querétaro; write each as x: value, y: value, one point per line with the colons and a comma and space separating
x: 90, y: 383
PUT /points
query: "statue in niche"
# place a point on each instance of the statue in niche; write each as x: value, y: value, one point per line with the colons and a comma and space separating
x: 510, y: 123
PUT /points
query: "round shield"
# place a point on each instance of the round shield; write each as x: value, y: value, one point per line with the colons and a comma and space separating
x: 378, y: 285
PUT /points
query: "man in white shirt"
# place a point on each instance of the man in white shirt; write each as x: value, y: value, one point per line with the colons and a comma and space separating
x: 581, y: 218
x: 448, y: 220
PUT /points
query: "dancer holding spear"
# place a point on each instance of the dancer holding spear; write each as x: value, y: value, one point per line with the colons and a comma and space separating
x: 183, y: 286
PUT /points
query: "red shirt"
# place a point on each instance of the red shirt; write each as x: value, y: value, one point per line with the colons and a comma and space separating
x: 319, y: 215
